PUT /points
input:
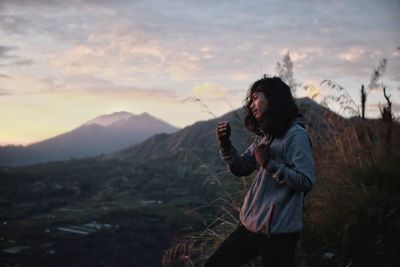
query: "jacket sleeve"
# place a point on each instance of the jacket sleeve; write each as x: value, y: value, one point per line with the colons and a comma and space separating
x: 240, y: 165
x: 297, y: 171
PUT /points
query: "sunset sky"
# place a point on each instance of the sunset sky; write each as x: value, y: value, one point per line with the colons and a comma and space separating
x: 62, y: 63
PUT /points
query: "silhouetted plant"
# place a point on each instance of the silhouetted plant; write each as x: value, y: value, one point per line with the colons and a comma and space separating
x: 363, y: 101
x: 386, y: 111
x: 387, y: 117
x: 377, y: 74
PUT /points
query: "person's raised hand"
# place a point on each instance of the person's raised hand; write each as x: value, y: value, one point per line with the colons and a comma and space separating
x: 223, y: 134
x: 262, y: 155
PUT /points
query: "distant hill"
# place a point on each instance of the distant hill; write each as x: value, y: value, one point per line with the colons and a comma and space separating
x: 104, y: 134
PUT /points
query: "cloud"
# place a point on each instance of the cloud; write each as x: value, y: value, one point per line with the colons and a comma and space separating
x: 207, y: 52
x: 4, y: 52
x: 88, y: 85
x: 21, y: 62
x: 12, y: 24
x: 79, y: 59
x: 23, y: 85
x: 135, y: 92
x: 182, y: 71
x: 4, y: 92
x: 186, y: 43
x: 18, y: 63
x: 10, y: 60
x: 129, y: 54
x: 5, y: 76
x: 352, y: 54
x: 65, y: 21
x: 242, y: 75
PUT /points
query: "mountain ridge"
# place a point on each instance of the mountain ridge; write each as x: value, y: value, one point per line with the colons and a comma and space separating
x: 101, y: 135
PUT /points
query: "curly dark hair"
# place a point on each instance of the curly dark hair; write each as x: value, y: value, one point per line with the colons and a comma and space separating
x: 281, y: 108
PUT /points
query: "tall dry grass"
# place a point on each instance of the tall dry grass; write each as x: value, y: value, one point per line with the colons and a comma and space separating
x: 354, y: 212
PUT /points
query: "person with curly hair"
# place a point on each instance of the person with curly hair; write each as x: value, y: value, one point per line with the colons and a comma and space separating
x: 281, y: 153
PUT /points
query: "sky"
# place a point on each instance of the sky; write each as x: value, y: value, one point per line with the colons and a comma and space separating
x: 63, y: 63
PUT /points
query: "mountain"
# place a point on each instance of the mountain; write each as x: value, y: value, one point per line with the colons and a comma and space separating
x: 104, y: 134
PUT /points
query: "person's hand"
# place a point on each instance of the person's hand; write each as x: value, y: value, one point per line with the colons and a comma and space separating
x: 262, y: 156
x: 223, y: 134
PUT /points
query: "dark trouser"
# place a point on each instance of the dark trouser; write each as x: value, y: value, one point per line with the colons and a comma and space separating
x: 241, y: 246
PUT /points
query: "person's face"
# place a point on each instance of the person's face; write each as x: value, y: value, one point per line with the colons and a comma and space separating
x: 258, y: 105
